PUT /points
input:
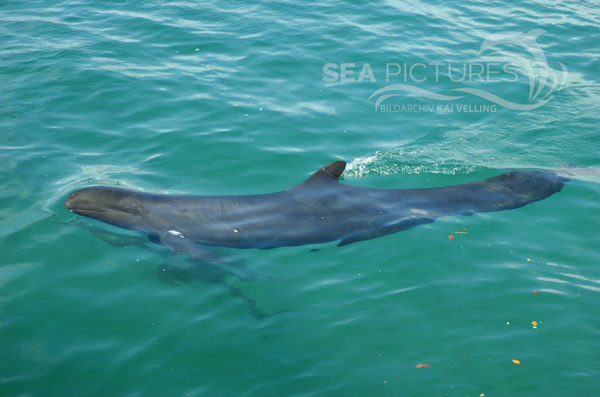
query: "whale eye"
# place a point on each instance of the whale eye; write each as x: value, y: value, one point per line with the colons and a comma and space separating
x: 127, y: 208
x: 132, y: 209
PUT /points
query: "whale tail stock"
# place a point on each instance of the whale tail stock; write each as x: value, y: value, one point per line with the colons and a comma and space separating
x: 510, y: 190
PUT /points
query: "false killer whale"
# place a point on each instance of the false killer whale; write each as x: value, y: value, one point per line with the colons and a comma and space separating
x: 319, y: 210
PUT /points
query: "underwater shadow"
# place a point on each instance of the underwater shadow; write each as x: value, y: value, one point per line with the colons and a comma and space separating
x: 197, y: 271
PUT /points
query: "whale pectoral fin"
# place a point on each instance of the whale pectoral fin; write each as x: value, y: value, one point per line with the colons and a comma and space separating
x: 389, y: 229
x: 183, y: 246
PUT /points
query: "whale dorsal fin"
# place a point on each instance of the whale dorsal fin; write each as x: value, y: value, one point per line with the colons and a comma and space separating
x: 329, y: 173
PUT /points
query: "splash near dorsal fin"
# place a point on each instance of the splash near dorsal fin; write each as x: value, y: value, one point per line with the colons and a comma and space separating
x: 329, y: 173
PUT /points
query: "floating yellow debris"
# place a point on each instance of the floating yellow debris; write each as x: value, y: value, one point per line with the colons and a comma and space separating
x: 235, y: 230
x: 534, y: 324
x: 516, y: 362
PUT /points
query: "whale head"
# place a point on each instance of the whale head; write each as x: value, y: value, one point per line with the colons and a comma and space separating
x: 119, y: 207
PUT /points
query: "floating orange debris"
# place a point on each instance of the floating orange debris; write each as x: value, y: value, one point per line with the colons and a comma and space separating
x: 534, y: 324
x: 516, y: 362
x: 450, y: 236
x: 536, y: 292
x: 421, y: 365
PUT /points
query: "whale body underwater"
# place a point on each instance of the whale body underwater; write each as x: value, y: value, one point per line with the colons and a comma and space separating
x: 319, y: 210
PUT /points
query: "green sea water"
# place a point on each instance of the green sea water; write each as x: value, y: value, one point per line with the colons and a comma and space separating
x: 218, y: 97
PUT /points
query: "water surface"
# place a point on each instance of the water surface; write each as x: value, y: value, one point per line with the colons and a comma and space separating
x: 225, y: 98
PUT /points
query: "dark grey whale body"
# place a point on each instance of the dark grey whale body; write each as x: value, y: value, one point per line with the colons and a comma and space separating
x: 319, y: 210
